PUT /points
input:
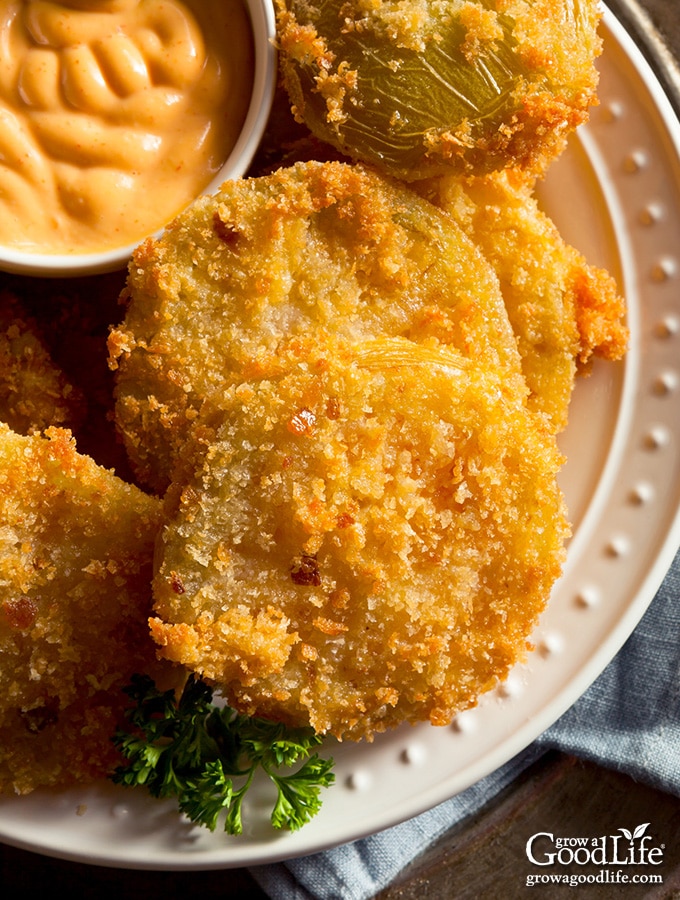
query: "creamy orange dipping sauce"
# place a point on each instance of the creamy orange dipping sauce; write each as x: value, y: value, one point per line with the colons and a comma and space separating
x: 114, y: 115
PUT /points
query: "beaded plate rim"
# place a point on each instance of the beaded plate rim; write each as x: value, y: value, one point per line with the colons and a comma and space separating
x: 615, y: 195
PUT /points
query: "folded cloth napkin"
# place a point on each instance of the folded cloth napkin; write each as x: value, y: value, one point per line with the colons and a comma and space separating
x: 628, y: 720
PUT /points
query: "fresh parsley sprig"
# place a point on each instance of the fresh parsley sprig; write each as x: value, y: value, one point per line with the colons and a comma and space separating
x: 197, y: 752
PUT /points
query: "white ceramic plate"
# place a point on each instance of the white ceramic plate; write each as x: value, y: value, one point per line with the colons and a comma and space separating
x: 615, y: 195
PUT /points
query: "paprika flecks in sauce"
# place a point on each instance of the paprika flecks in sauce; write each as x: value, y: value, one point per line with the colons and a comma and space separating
x: 114, y: 115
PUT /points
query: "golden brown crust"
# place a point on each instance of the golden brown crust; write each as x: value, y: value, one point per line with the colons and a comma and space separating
x: 75, y: 569
x: 563, y: 311
x: 34, y: 393
x: 600, y: 311
x: 370, y: 539
x: 243, y: 282
x: 422, y: 88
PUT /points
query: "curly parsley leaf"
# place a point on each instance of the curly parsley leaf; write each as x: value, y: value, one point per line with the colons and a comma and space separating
x: 196, y: 752
x: 298, y: 794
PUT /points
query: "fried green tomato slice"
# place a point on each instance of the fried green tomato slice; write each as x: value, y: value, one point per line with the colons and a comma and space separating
x: 34, y: 393
x: 564, y: 311
x: 76, y: 551
x: 421, y: 87
x: 239, y: 286
x: 370, y: 540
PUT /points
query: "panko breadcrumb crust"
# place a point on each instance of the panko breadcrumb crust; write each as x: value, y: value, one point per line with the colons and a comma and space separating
x: 321, y: 364
x: 564, y: 312
x: 247, y: 279
x: 34, y: 392
x: 370, y: 540
x: 367, y: 78
x: 75, y: 572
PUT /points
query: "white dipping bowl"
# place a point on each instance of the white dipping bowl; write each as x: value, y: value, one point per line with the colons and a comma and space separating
x: 67, y: 265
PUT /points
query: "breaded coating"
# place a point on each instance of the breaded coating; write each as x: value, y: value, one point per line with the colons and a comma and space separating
x: 370, y: 539
x: 424, y: 87
x: 75, y: 571
x: 238, y: 287
x: 563, y: 311
x: 59, y: 747
x: 34, y: 392
x: 73, y: 317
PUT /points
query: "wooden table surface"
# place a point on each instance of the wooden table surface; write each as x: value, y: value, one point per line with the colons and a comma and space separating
x: 484, y: 857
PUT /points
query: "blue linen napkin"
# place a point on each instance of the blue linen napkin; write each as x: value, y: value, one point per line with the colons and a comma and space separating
x: 628, y: 720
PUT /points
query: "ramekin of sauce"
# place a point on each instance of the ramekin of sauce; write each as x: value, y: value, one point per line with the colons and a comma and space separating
x: 116, y: 114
